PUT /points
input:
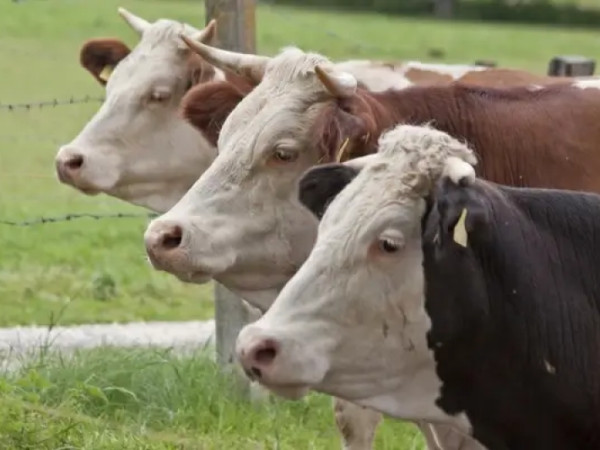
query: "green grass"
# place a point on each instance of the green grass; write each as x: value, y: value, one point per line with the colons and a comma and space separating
x: 116, y: 399
x: 89, y: 271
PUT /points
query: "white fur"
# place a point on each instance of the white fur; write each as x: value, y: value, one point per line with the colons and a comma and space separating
x: 593, y: 83
x: 456, y: 71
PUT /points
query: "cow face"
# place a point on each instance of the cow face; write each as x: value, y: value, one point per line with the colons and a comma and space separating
x: 352, y: 321
x: 136, y: 147
x: 241, y: 222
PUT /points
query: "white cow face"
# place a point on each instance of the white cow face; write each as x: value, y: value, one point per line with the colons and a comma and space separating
x: 136, y: 147
x: 241, y: 222
x: 352, y: 321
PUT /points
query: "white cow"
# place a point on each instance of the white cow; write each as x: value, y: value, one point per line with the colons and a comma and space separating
x: 352, y: 321
x: 241, y: 222
x: 136, y: 147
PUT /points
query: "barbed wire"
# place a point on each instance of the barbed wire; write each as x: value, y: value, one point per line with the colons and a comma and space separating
x: 50, y: 103
x: 71, y: 217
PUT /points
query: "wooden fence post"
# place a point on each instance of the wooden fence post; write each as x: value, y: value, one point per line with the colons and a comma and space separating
x: 235, y: 31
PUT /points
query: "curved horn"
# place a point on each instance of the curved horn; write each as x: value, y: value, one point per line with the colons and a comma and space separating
x: 458, y: 169
x: 135, y: 22
x: 243, y: 64
x: 206, y: 36
x: 339, y: 84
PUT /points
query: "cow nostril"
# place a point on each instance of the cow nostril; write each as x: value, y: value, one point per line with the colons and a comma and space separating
x: 74, y: 162
x: 172, y: 239
x: 265, y: 355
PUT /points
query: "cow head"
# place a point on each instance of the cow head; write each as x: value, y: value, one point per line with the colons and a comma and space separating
x: 241, y: 223
x: 137, y: 147
x: 352, y: 321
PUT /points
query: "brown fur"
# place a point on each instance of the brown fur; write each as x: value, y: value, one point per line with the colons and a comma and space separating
x: 96, y: 54
x: 207, y: 105
x: 544, y: 138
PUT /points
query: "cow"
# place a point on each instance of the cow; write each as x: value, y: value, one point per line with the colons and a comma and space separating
x: 241, y: 223
x: 430, y: 294
x: 127, y: 149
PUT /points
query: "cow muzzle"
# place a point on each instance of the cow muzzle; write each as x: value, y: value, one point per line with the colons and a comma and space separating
x: 266, y: 359
x: 169, y: 248
x: 70, y: 166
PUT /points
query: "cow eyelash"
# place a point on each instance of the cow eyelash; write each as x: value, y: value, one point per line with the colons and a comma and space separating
x: 158, y: 96
x: 390, y: 242
x: 389, y: 245
x: 285, y: 155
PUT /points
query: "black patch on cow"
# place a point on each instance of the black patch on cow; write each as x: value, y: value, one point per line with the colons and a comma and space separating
x: 321, y: 184
x: 515, y: 315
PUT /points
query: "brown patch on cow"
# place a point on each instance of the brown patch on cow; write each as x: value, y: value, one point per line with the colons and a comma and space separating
x: 544, y: 138
x: 207, y: 105
x: 96, y: 54
x: 199, y: 71
x: 424, y: 77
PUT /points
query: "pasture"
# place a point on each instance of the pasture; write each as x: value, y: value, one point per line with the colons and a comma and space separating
x: 88, y: 270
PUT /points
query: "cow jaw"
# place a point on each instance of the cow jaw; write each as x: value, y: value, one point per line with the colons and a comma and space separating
x: 136, y: 147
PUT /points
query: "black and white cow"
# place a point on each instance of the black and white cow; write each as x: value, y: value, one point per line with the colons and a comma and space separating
x: 431, y: 295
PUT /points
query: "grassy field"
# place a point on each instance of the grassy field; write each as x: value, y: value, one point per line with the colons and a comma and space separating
x: 95, y: 271
x: 117, y: 399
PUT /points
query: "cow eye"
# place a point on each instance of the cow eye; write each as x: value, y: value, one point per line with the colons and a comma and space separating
x: 159, y: 96
x: 285, y: 155
x: 389, y: 246
x: 391, y: 242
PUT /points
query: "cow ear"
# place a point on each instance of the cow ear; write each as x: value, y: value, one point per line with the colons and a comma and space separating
x: 340, y: 135
x: 321, y: 184
x: 207, y: 105
x: 101, y: 56
x: 462, y: 212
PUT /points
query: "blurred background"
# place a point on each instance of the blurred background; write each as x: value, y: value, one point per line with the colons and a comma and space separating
x: 54, y: 270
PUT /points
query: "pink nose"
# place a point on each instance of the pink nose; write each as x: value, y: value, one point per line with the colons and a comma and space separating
x: 258, y: 357
x: 162, y: 239
x: 67, y: 168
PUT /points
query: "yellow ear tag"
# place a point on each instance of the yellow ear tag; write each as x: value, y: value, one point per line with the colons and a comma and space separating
x: 105, y: 74
x: 460, y: 232
x: 341, y: 150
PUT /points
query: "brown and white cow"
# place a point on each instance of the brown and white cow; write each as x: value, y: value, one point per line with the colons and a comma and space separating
x: 241, y: 222
x: 432, y: 295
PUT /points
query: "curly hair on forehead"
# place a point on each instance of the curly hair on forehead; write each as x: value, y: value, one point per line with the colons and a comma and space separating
x: 207, y: 105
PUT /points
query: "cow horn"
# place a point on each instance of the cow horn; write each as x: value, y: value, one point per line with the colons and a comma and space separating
x: 207, y: 34
x: 338, y: 84
x: 243, y: 64
x: 458, y: 169
x: 135, y: 22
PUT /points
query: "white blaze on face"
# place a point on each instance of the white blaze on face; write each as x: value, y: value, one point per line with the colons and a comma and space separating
x: 136, y: 147
x: 352, y: 321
